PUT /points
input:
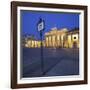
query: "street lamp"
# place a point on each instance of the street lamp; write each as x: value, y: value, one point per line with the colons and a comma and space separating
x: 41, y: 27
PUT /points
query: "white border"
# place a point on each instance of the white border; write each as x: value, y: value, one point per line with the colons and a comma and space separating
x: 54, y: 78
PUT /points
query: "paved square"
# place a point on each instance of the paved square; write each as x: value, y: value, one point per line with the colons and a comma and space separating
x: 56, y: 62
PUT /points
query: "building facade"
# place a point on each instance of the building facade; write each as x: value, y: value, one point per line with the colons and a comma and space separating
x: 31, y: 42
x: 62, y: 38
x: 55, y: 38
x: 72, y: 39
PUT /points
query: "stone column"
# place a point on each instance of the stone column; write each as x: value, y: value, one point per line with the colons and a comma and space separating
x: 71, y: 41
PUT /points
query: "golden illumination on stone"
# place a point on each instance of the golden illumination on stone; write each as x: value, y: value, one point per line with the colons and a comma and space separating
x: 61, y: 38
x: 55, y: 38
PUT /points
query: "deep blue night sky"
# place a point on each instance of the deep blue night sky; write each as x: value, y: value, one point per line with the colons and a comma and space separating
x: 29, y: 20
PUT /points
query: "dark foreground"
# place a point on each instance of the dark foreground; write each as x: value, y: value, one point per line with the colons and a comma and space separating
x: 56, y: 62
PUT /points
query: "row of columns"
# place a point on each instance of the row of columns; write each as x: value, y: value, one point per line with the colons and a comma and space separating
x: 54, y: 41
x: 62, y: 41
x: 32, y: 43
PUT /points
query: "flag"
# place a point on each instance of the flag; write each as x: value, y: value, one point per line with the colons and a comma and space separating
x: 40, y: 25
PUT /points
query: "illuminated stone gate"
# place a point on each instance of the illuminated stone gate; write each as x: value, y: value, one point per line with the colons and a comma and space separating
x: 62, y: 38
x: 55, y: 38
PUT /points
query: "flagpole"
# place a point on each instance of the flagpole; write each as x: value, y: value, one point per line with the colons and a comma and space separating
x: 42, y: 61
x: 40, y: 29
